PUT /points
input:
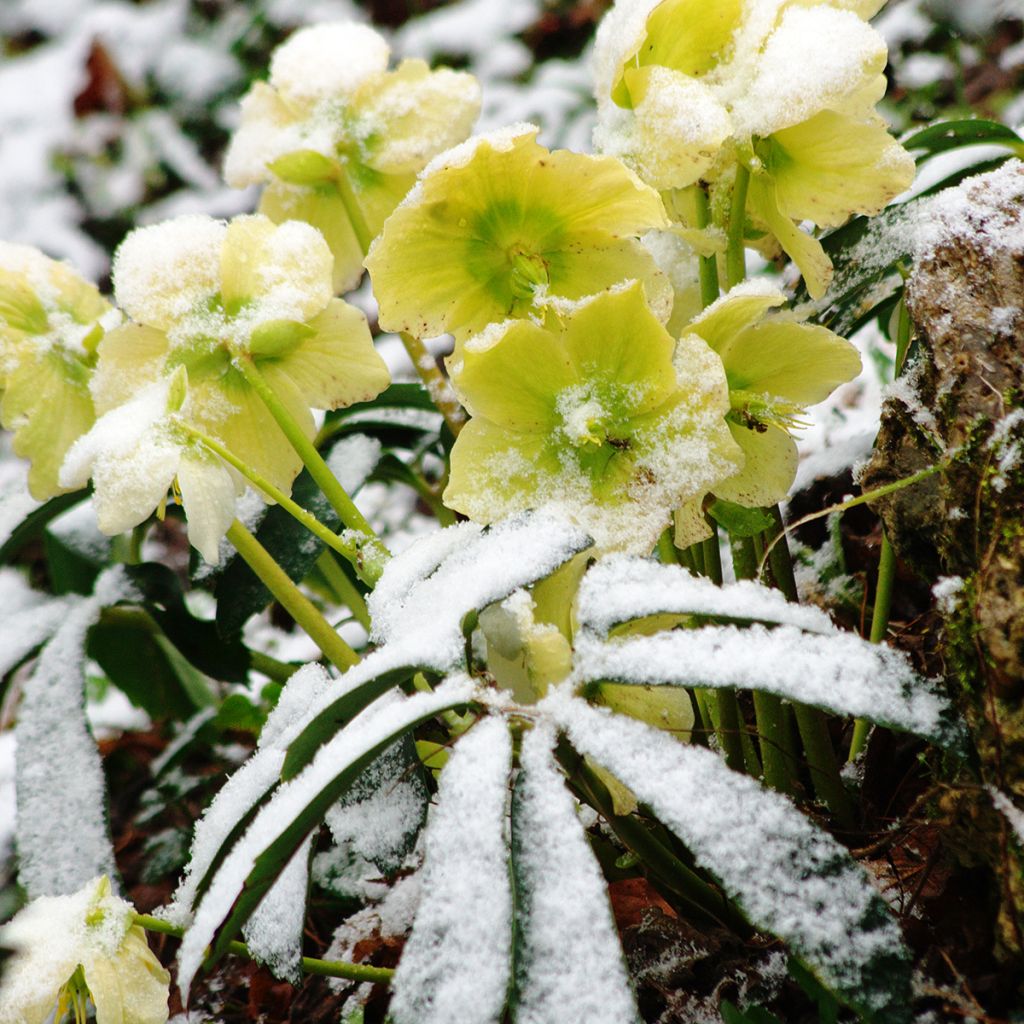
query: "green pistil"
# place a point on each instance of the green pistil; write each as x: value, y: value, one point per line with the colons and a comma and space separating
x: 529, y: 272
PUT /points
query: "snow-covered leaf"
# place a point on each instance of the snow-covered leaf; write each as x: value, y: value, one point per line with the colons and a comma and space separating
x: 456, y: 964
x: 30, y: 618
x: 789, y: 877
x: 568, y: 961
x: 620, y: 588
x: 294, y: 810
x: 841, y: 673
x: 62, y: 835
x: 427, y: 591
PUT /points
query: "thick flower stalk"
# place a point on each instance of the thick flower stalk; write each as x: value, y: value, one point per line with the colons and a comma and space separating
x: 220, y: 302
x: 77, y: 950
x: 337, y: 139
x: 781, y: 90
x: 500, y: 227
x: 602, y: 417
x: 776, y: 367
x: 51, y: 321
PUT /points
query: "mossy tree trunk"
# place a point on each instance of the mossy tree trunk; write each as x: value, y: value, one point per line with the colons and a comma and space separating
x: 963, y: 399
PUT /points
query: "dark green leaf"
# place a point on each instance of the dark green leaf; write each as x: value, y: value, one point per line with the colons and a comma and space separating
x: 947, y: 135
x: 197, y: 639
x: 36, y: 521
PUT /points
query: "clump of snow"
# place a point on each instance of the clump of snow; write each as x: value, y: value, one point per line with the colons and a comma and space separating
x: 30, y: 617
x: 455, y: 965
x: 1010, y: 811
x: 787, y: 875
x: 570, y: 964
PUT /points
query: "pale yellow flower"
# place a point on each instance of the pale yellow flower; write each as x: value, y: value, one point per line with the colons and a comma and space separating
x: 72, y: 951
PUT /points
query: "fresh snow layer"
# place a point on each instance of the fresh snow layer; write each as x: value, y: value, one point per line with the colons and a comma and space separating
x: 569, y: 964
x: 841, y: 673
x: 425, y: 593
x: 62, y: 835
x: 455, y: 966
x: 788, y: 876
x: 619, y: 588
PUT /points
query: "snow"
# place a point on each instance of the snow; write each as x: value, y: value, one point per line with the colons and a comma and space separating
x: 426, y: 592
x: 62, y: 836
x: 248, y: 785
x: 620, y: 588
x: 455, y: 966
x: 353, y: 459
x: 569, y: 964
x: 787, y: 875
x: 1010, y: 811
x: 840, y: 672
x: 29, y: 616
x: 369, y: 730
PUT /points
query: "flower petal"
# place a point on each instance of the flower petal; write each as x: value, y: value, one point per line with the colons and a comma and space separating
x: 512, y: 375
x: 769, y: 470
x: 800, y: 363
x: 208, y: 496
x: 804, y: 250
x: 832, y: 166
x: 495, y: 471
x: 726, y: 317
x: 336, y: 366
x: 325, y: 210
x: 130, y: 357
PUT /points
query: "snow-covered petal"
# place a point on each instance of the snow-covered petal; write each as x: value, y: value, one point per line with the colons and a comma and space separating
x: 208, y: 496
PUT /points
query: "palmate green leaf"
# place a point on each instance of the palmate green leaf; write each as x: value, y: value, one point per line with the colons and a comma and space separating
x: 457, y: 961
x: 789, y: 877
x: 239, y: 592
x: 568, y: 964
x: 293, y: 811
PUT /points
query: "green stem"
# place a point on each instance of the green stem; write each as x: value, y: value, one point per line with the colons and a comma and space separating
x: 780, y: 559
x: 879, y: 626
x: 344, y: 589
x: 821, y: 760
x: 736, y: 254
x: 279, y: 671
x: 310, y: 965
x: 707, y: 266
x: 712, y: 556
x: 288, y: 595
x: 351, y: 551
x: 434, y: 381
x: 374, y: 551
x: 729, y: 722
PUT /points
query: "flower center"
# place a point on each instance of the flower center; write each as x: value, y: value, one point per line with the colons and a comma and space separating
x: 529, y: 272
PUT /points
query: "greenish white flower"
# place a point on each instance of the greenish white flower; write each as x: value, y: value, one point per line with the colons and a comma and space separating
x: 77, y: 950
x: 776, y: 367
x: 333, y: 126
x: 602, y: 417
x: 687, y: 90
x: 501, y: 227
x: 51, y: 321
x: 208, y: 296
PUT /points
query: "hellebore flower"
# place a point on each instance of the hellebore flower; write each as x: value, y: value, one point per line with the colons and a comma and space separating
x: 135, y: 452
x: 73, y: 950
x: 775, y: 367
x: 500, y: 227
x: 601, y: 417
x: 209, y: 296
x: 334, y: 134
x: 51, y: 321
x: 787, y: 88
